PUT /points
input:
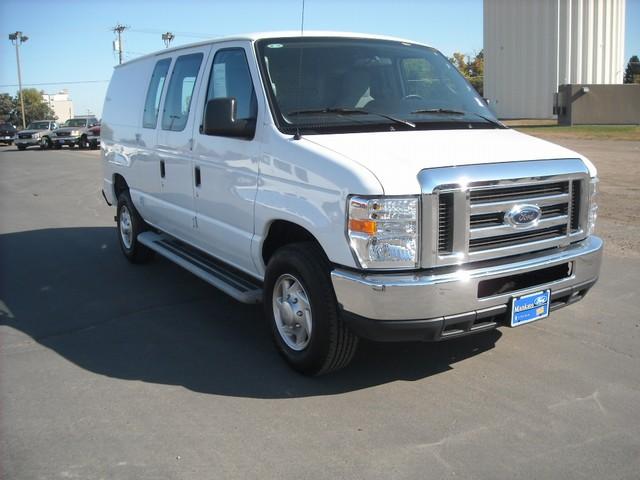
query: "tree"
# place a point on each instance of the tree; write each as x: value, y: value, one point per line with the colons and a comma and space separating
x: 7, y: 108
x: 35, y: 108
x: 632, y: 72
x: 471, y: 68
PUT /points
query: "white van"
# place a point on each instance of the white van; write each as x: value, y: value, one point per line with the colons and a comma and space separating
x: 355, y: 184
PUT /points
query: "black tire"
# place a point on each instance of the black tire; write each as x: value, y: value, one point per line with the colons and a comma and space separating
x: 134, y: 251
x: 331, y: 345
x: 45, y: 143
x: 21, y: 147
x: 83, y: 143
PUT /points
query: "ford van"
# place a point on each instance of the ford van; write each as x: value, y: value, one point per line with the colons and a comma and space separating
x: 356, y: 185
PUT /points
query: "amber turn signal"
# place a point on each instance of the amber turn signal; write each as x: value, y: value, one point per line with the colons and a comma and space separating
x: 366, y: 226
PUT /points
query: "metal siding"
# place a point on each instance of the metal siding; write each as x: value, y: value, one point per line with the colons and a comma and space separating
x: 533, y: 45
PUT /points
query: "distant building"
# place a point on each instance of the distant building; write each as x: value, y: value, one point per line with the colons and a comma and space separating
x: 531, y: 47
x: 61, y: 104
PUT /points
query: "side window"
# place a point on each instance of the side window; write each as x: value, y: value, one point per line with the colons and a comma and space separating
x: 178, y: 99
x: 230, y: 77
x: 152, y: 104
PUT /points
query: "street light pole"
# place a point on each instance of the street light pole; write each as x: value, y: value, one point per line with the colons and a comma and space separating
x: 167, y: 38
x: 17, y: 39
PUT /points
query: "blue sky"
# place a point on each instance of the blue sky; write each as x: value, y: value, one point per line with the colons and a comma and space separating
x: 70, y: 40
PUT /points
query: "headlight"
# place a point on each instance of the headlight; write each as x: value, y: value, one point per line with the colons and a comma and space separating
x: 35, y: 135
x: 383, y: 231
x: 593, y: 205
x: 75, y: 133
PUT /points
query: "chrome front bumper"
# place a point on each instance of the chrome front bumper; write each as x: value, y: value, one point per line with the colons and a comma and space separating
x: 449, y: 292
x: 29, y: 142
x: 65, y: 140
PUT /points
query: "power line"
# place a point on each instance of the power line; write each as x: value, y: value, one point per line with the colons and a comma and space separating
x: 181, y: 34
x: 54, y: 83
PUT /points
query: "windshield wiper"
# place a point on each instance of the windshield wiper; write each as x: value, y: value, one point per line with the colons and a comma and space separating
x: 439, y: 110
x: 491, y: 121
x: 351, y: 111
x: 459, y: 112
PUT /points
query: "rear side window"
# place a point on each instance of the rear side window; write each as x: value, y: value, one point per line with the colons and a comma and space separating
x: 154, y: 92
x: 230, y: 77
x: 178, y: 100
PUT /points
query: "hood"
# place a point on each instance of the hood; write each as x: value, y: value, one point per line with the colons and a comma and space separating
x: 31, y: 131
x: 395, y: 158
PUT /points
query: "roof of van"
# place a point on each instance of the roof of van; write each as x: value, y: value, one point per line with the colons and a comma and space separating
x: 283, y: 34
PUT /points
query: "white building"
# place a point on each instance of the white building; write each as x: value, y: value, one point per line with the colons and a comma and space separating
x: 61, y: 104
x: 532, y: 46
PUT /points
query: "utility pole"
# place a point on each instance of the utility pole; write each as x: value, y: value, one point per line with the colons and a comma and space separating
x: 18, y: 39
x: 118, y: 29
x: 167, y: 38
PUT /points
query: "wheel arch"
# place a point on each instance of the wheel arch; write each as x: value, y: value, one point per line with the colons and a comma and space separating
x: 284, y: 232
x: 119, y: 185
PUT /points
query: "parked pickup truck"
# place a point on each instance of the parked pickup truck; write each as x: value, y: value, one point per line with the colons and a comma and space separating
x: 74, y: 132
x: 37, y: 133
x: 93, y: 137
x: 7, y: 133
x: 356, y: 185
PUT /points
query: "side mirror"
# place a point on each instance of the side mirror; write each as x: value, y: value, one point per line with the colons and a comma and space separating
x: 220, y: 119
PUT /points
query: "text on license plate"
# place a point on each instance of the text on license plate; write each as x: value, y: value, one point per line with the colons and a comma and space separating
x: 529, y: 308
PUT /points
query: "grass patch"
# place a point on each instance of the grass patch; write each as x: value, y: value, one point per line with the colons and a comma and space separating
x: 595, y: 132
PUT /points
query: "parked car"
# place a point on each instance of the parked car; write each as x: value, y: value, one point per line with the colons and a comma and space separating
x: 37, y: 133
x: 75, y: 131
x: 93, y: 137
x: 356, y: 185
x: 7, y: 133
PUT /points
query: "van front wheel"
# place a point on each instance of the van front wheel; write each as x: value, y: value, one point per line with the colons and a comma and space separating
x: 130, y: 225
x: 302, y: 311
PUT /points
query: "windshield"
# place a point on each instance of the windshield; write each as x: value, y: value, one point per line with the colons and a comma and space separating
x: 316, y: 85
x: 38, y: 126
x: 75, y: 122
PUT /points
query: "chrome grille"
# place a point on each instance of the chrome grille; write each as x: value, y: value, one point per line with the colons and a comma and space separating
x: 467, y: 209
x: 488, y: 230
x: 445, y: 223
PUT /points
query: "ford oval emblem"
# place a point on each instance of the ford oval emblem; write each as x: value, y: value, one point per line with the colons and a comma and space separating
x: 541, y: 300
x: 522, y: 216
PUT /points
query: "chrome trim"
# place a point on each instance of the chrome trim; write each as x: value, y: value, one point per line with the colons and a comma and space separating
x: 432, y: 294
x: 494, y: 207
x: 460, y: 181
x: 485, y: 232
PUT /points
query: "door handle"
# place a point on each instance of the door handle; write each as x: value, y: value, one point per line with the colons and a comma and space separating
x: 162, y: 171
x: 197, y: 177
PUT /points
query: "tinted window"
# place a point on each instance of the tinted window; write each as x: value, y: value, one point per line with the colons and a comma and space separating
x: 76, y: 122
x: 230, y: 77
x: 178, y: 99
x: 310, y: 79
x: 154, y: 92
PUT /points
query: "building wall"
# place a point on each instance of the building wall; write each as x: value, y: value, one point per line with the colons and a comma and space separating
x: 599, y: 104
x: 533, y: 46
x: 61, y: 104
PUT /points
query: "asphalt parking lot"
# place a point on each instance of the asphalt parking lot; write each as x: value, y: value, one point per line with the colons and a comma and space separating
x: 109, y: 370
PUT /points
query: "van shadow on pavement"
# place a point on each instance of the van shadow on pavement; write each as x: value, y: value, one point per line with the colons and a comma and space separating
x: 72, y: 291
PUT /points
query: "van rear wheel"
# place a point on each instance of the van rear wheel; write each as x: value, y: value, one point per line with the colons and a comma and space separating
x: 302, y: 311
x: 130, y: 224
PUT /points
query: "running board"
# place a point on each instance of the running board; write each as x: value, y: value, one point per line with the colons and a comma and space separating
x: 232, y: 282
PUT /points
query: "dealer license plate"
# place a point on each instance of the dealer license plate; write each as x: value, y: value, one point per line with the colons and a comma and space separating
x: 529, y: 308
